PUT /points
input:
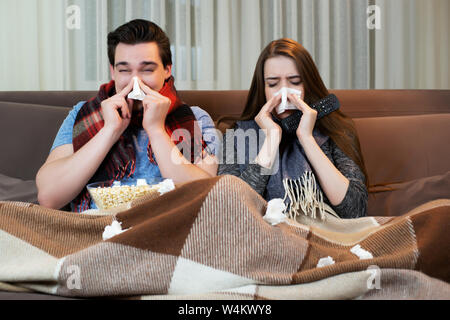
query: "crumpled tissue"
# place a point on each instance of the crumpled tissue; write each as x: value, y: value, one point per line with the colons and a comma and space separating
x: 165, y: 186
x: 285, y: 105
x: 137, y: 93
x: 274, y: 212
x: 323, y: 262
x: 361, y: 253
x: 141, y: 182
x: 114, y: 229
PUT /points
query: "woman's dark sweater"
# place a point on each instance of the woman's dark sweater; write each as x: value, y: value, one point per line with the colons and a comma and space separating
x: 353, y: 205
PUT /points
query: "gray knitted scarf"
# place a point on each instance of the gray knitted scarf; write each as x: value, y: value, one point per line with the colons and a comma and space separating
x: 291, y: 178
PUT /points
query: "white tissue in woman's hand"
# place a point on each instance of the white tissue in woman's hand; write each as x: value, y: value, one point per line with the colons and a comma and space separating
x: 285, y: 105
x: 274, y: 212
x: 137, y: 93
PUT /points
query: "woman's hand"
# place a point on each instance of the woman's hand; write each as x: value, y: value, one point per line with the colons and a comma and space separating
x: 307, y: 121
x: 269, y: 149
x: 156, y: 107
x: 264, y: 117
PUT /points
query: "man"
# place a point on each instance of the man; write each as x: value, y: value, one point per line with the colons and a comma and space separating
x: 112, y: 137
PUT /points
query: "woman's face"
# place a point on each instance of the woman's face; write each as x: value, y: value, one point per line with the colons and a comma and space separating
x: 281, y: 71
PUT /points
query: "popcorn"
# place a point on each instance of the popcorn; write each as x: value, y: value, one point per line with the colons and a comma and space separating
x: 117, y: 194
x: 109, y: 197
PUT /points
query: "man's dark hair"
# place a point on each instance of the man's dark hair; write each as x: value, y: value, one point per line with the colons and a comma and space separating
x: 140, y: 31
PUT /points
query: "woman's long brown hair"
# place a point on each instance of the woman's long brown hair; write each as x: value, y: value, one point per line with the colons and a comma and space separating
x: 336, y: 125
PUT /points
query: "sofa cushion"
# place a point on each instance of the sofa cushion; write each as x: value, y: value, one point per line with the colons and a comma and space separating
x: 404, y: 148
x: 27, y: 133
x: 8, y: 295
x: 399, y: 198
x: 47, y: 98
x: 13, y: 189
x: 216, y: 103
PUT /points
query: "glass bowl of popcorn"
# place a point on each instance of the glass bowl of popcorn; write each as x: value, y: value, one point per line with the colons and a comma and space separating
x: 107, y: 195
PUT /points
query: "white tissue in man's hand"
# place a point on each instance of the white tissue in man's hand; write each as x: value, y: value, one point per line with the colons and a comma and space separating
x: 285, y: 104
x: 137, y: 93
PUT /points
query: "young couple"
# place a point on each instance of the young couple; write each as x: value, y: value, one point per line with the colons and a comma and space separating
x: 112, y: 137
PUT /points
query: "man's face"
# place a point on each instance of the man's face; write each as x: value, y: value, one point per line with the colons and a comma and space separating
x: 141, y: 60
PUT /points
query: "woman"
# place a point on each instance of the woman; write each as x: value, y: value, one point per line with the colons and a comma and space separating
x: 287, y: 166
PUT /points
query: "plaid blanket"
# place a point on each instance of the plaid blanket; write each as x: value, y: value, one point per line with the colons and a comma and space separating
x: 207, y: 239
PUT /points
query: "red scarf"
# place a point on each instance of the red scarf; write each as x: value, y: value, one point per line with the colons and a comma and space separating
x: 121, y: 159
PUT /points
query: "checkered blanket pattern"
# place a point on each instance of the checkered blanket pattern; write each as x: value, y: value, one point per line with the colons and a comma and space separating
x: 207, y: 239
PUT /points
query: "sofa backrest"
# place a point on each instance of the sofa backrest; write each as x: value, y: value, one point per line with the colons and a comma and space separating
x: 404, y: 134
x: 355, y: 103
x: 26, y: 135
x: 404, y: 148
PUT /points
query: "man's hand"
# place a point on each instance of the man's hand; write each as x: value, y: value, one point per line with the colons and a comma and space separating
x: 156, y: 107
x: 115, y: 121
